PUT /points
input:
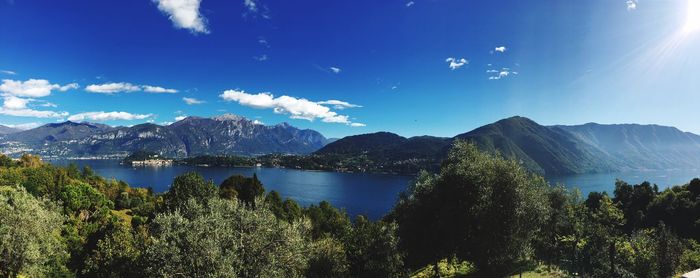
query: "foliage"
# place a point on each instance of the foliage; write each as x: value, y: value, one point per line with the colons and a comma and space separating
x: 487, y: 214
x: 327, y: 259
x: 328, y: 221
x: 245, y: 189
x: 480, y: 208
x: 30, y: 239
x: 189, y: 186
x: 225, y: 239
x: 372, y: 249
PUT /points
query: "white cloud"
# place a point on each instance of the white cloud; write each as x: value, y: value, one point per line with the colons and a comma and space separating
x: 107, y: 116
x: 8, y: 72
x: 455, y: 63
x: 184, y: 14
x: 357, y: 125
x: 192, y: 101
x: 111, y: 88
x: 15, y: 103
x: 26, y: 112
x: 297, y: 108
x: 500, y: 49
x: 410, y: 3
x: 24, y: 126
x: 631, y: 5
x: 46, y: 103
x: 257, y: 122
x: 261, y: 58
x: 264, y: 42
x: 254, y: 8
x: 500, y: 74
x: 180, y: 118
x: 33, y: 87
x: 166, y: 123
x: 335, y: 69
x: 157, y: 90
x: 251, y: 5
x: 337, y: 104
x: 117, y: 87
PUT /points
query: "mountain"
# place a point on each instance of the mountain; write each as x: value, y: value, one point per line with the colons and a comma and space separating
x: 57, y: 132
x: 634, y: 146
x: 7, y: 130
x: 192, y: 136
x: 385, y: 152
x: 551, y: 150
x: 386, y: 145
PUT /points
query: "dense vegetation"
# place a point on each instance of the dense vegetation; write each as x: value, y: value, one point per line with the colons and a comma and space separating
x: 479, y: 216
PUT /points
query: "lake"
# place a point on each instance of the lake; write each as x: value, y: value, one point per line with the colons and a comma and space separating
x: 359, y: 193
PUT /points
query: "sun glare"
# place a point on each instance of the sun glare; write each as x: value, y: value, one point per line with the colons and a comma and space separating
x: 692, y: 21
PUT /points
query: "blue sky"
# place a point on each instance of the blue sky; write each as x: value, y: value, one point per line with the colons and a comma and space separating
x: 438, y: 67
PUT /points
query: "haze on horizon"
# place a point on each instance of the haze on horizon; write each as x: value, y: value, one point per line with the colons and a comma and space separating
x: 410, y: 67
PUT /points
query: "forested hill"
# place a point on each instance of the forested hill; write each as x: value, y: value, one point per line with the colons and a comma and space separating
x: 551, y: 150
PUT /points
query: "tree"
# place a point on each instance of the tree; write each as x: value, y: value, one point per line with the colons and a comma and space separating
x: 481, y: 208
x: 6, y: 161
x: 245, y: 189
x: 289, y: 210
x: 189, y: 186
x: 225, y: 239
x: 117, y: 254
x: 29, y: 160
x: 634, y: 200
x: 372, y: 249
x: 30, y: 235
x: 328, y: 221
x: 327, y: 259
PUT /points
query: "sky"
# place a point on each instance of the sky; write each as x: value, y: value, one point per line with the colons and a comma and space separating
x: 421, y: 67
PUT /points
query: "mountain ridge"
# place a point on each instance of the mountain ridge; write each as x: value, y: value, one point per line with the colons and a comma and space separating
x: 221, y: 135
x: 558, y: 149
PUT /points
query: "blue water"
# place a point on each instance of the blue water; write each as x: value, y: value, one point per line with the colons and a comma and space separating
x: 358, y: 193
x: 369, y: 194
x: 606, y: 181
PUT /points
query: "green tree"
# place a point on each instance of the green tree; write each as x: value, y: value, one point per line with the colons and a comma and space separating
x: 117, y: 254
x: 481, y: 208
x: 6, y: 161
x: 372, y: 249
x: 245, y: 189
x: 328, y: 221
x: 327, y: 259
x: 189, y: 186
x: 30, y: 239
x: 225, y: 239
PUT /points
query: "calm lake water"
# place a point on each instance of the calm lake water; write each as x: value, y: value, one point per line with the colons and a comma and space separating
x: 369, y: 194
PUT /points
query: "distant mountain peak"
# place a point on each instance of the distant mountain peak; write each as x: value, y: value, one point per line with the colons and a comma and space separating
x: 76, y: 124
x: 229, y: 117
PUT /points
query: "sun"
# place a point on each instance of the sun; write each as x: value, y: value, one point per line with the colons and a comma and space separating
x: 692, y: 21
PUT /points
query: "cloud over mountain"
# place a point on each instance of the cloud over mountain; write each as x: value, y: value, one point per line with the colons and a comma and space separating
x: 297, y: 108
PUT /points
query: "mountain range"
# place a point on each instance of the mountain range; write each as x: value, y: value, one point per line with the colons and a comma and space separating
x: 192, y: 136
x: 552, y: 150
